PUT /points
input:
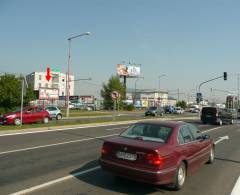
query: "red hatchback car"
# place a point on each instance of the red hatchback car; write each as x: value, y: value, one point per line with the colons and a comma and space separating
x: 157, y: 152
x: 29, y: 115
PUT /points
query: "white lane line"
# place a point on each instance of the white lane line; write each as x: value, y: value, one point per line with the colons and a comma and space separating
x: 69, y: 142
x: 117, y: 128
x: 65, y: 129
x: 211, y: 129
x: 236, y: 189
x: 221, y: 139
x: 57, y: 144
x: 34, y: 188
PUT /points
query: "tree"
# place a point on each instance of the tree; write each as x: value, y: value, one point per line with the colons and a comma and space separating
x: 182, y: 104
x: 10, y: 92
x: 113, y: 84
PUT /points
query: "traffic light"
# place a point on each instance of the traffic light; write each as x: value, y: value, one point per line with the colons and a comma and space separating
x: 225, y: 76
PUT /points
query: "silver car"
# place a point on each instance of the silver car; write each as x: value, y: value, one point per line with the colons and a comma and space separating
x: 54, y: 112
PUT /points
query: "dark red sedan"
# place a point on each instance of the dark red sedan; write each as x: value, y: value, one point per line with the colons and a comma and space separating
x: 157, y: 152
x: 30, y: 115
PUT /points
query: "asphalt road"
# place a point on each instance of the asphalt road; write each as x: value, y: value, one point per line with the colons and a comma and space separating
x: 29, y: 160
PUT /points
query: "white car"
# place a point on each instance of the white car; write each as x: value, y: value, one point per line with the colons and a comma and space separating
x: 178, y: 110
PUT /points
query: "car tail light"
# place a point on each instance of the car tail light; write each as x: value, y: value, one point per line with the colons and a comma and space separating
x: 154, y: 159
x: 105, y: 150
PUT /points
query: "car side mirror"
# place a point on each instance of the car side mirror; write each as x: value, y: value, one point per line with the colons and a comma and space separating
x: 206, y: 137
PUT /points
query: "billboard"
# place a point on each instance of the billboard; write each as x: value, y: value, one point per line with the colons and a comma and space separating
x: 48, y: 94
x: 128, y: 70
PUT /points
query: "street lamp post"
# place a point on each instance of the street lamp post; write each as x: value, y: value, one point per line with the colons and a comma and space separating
x: 136, y: 88
x: 159, y: 77
x: 23, y: 81
x: 68, y: 67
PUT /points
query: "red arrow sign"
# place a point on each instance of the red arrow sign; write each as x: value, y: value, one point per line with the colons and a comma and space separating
x: 48, y: 76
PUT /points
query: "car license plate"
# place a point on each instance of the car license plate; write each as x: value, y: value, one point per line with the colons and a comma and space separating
x: 208, y: 116
x: 126, y: 156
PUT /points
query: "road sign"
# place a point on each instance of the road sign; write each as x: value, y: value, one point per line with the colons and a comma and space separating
x: 199, y: 95
x: 115, y: 95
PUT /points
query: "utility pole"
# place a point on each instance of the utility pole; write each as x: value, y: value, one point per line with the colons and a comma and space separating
x: 238, y: 88
x: 178, y: 94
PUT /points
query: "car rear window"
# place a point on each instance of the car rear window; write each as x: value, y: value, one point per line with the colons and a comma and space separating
x: 148, y: 132
x: 209, y: 110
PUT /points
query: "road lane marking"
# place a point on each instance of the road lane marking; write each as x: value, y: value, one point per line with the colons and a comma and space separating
x: 65, y: 129
x: 211, y: 129
x: 221, y: 139
x: 69, y: 142
x: 236, y: 189
x: 57, y: 144
x: 34, y: 188
x: 117, y: 128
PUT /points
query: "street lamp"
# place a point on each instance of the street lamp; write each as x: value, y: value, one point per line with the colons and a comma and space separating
x: 23, y: 81
x: 68, y: 67
x: 162, y: 75
x: 136, y: 87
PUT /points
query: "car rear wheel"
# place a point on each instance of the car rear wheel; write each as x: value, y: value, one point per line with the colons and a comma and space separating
x: 45, y: 120
x: 59, y: 116
x: 17, y: 121
x: 181, y: 174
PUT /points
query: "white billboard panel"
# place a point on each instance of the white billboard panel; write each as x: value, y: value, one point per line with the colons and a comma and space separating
x: 48, y: 94
x: 128, y: 70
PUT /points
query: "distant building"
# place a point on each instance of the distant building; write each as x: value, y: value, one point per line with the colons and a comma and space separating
x: 146, y: 97
x: 58, y: 82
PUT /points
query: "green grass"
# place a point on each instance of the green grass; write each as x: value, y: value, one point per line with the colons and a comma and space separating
x: 76, y: 113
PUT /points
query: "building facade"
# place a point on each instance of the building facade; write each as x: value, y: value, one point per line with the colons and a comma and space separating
x: 58, y: 81
x: 146, y: 98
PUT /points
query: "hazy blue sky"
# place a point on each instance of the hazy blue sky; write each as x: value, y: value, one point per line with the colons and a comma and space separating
x: 188, y: 40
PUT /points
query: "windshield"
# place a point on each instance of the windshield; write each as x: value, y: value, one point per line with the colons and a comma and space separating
x: 148, y: 132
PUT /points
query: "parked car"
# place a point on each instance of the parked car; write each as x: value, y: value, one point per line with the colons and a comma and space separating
x: 154, y: 111
x: 157, y: 152
x: 54, y: 112
x: 169, y: 109
x: 178, y: 110
x: 195, y: 110
x: 214, y: 115
x: 29, y: 115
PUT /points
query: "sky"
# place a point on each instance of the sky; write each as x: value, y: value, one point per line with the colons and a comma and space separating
x: 189, y: 41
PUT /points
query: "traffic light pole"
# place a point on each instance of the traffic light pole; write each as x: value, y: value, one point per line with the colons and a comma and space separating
x: 199, y: 87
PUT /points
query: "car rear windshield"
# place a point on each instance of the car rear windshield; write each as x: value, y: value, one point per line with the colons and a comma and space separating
x: 148, y: 132
x: 209, y: 110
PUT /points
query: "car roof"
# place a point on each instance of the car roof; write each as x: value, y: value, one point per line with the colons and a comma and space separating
x: 171, y: 124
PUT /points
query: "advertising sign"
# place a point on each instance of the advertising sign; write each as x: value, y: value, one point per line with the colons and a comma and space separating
x: 144, y: 103
x: 48, y: 94
x: 128, y: 70
x: 87, y: 99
